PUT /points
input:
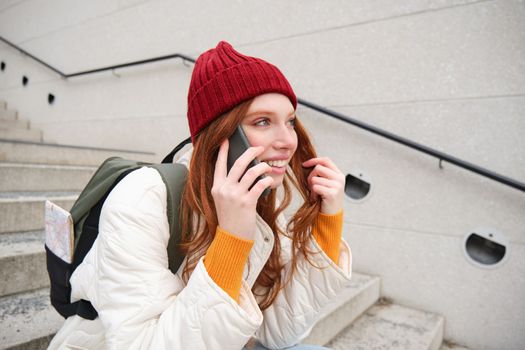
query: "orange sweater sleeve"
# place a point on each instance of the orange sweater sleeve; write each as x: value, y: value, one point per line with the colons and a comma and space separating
x: 327, y: 231
x: 225, y: 260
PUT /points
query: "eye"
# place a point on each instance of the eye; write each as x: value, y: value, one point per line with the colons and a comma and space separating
x: 292, y: 121
x: 262, y: 122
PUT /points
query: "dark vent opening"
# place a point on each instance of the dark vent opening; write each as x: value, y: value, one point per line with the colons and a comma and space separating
x: 355, y: 187
x: 50, y: 99
x: 2, y: 66
x: 483, y: 250
x: 25, y: 80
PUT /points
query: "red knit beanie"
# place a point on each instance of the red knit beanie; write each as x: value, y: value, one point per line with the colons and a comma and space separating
x: 223, y: 78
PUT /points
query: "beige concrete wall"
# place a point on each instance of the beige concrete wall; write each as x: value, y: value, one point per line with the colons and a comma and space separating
x: 448, y: 74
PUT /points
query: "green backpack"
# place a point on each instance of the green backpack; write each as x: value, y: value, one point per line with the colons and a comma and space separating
x: 86, y: 213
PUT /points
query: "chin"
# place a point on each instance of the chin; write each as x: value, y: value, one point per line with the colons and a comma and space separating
x: 277, y: 181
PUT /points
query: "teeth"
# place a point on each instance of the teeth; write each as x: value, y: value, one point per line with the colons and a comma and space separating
x: 277, y: 163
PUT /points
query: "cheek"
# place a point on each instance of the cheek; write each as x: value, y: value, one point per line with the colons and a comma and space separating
x: 295, y: 142
x: 255, y: 139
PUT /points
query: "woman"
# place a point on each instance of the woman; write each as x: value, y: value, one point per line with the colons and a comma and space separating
x: 247, y: 274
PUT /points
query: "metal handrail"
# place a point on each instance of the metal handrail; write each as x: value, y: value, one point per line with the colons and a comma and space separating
x: 98, y: 70
x: 421, y: 148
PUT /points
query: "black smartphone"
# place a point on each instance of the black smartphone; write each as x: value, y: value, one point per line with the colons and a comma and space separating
x: 238, y: 145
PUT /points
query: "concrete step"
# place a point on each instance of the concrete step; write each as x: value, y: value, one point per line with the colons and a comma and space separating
x: 24, y: 211
x: 43, y: 177
x: 363, y: 292
x: 21, y: 134
x: 14, y: 124
x: 22, y: 262
x: 11, y: 114
x: 45, y: 153
x: 28, y: 321
x: 389, y: 326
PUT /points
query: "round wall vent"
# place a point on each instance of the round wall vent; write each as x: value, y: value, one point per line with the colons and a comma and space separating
x: 486, y: 248
x: 356, y: 187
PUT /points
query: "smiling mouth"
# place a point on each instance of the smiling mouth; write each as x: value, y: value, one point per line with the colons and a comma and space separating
x: 276, y: 163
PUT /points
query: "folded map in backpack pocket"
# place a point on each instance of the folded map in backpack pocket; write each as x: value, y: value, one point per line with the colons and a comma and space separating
x: 59, y: 231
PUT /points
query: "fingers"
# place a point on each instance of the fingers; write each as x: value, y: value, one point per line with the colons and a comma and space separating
x: 234, y: 182
x: 259, y: 187
x: 326, y: 188
x: 323, y: 171
x: 327, y: 162
x: 240, y: 165
x: 324, y: 182
x: 325, y: 191
x: 323, y: 167
x: 253, y: 173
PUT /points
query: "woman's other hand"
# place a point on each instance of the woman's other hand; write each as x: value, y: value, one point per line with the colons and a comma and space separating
x: 327, y: 181
x: 234, y: 201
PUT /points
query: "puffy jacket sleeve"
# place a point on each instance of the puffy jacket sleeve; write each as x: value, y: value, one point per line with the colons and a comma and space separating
x: 141, y: 304
x: 298, y: 305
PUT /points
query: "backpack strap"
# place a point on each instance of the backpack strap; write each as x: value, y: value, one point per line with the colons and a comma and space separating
x: 169, y: 157
x: 83, y: 308
x: 102, y: 182
x: 89, y: 227
x: 86, y: 215
x: 174, y: 177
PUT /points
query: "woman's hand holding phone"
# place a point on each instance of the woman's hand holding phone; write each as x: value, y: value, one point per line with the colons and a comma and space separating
x: 327, y: 181
x: 235, y: 202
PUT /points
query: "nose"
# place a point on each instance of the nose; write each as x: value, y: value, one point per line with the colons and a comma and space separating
x: 285, y: 137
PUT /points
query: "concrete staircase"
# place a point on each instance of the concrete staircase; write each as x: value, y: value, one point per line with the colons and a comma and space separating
x: 32, y: 171
x: 362, y: 320
x: 13, y: 128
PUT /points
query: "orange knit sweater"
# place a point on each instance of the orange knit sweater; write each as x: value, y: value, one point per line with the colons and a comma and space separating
x: 227, y: 254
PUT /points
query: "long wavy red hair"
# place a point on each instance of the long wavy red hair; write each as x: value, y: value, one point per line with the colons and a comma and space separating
x: 199, y: 218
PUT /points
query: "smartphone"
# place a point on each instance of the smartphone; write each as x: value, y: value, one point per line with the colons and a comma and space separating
x: 238, y: 145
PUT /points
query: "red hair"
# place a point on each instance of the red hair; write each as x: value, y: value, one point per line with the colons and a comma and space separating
x: 198, y: 214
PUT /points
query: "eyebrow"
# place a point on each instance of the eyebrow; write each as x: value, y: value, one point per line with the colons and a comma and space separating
x: 262, y: 111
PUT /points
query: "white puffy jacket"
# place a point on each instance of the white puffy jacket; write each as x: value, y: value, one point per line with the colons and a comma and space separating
x: 143, y: 305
